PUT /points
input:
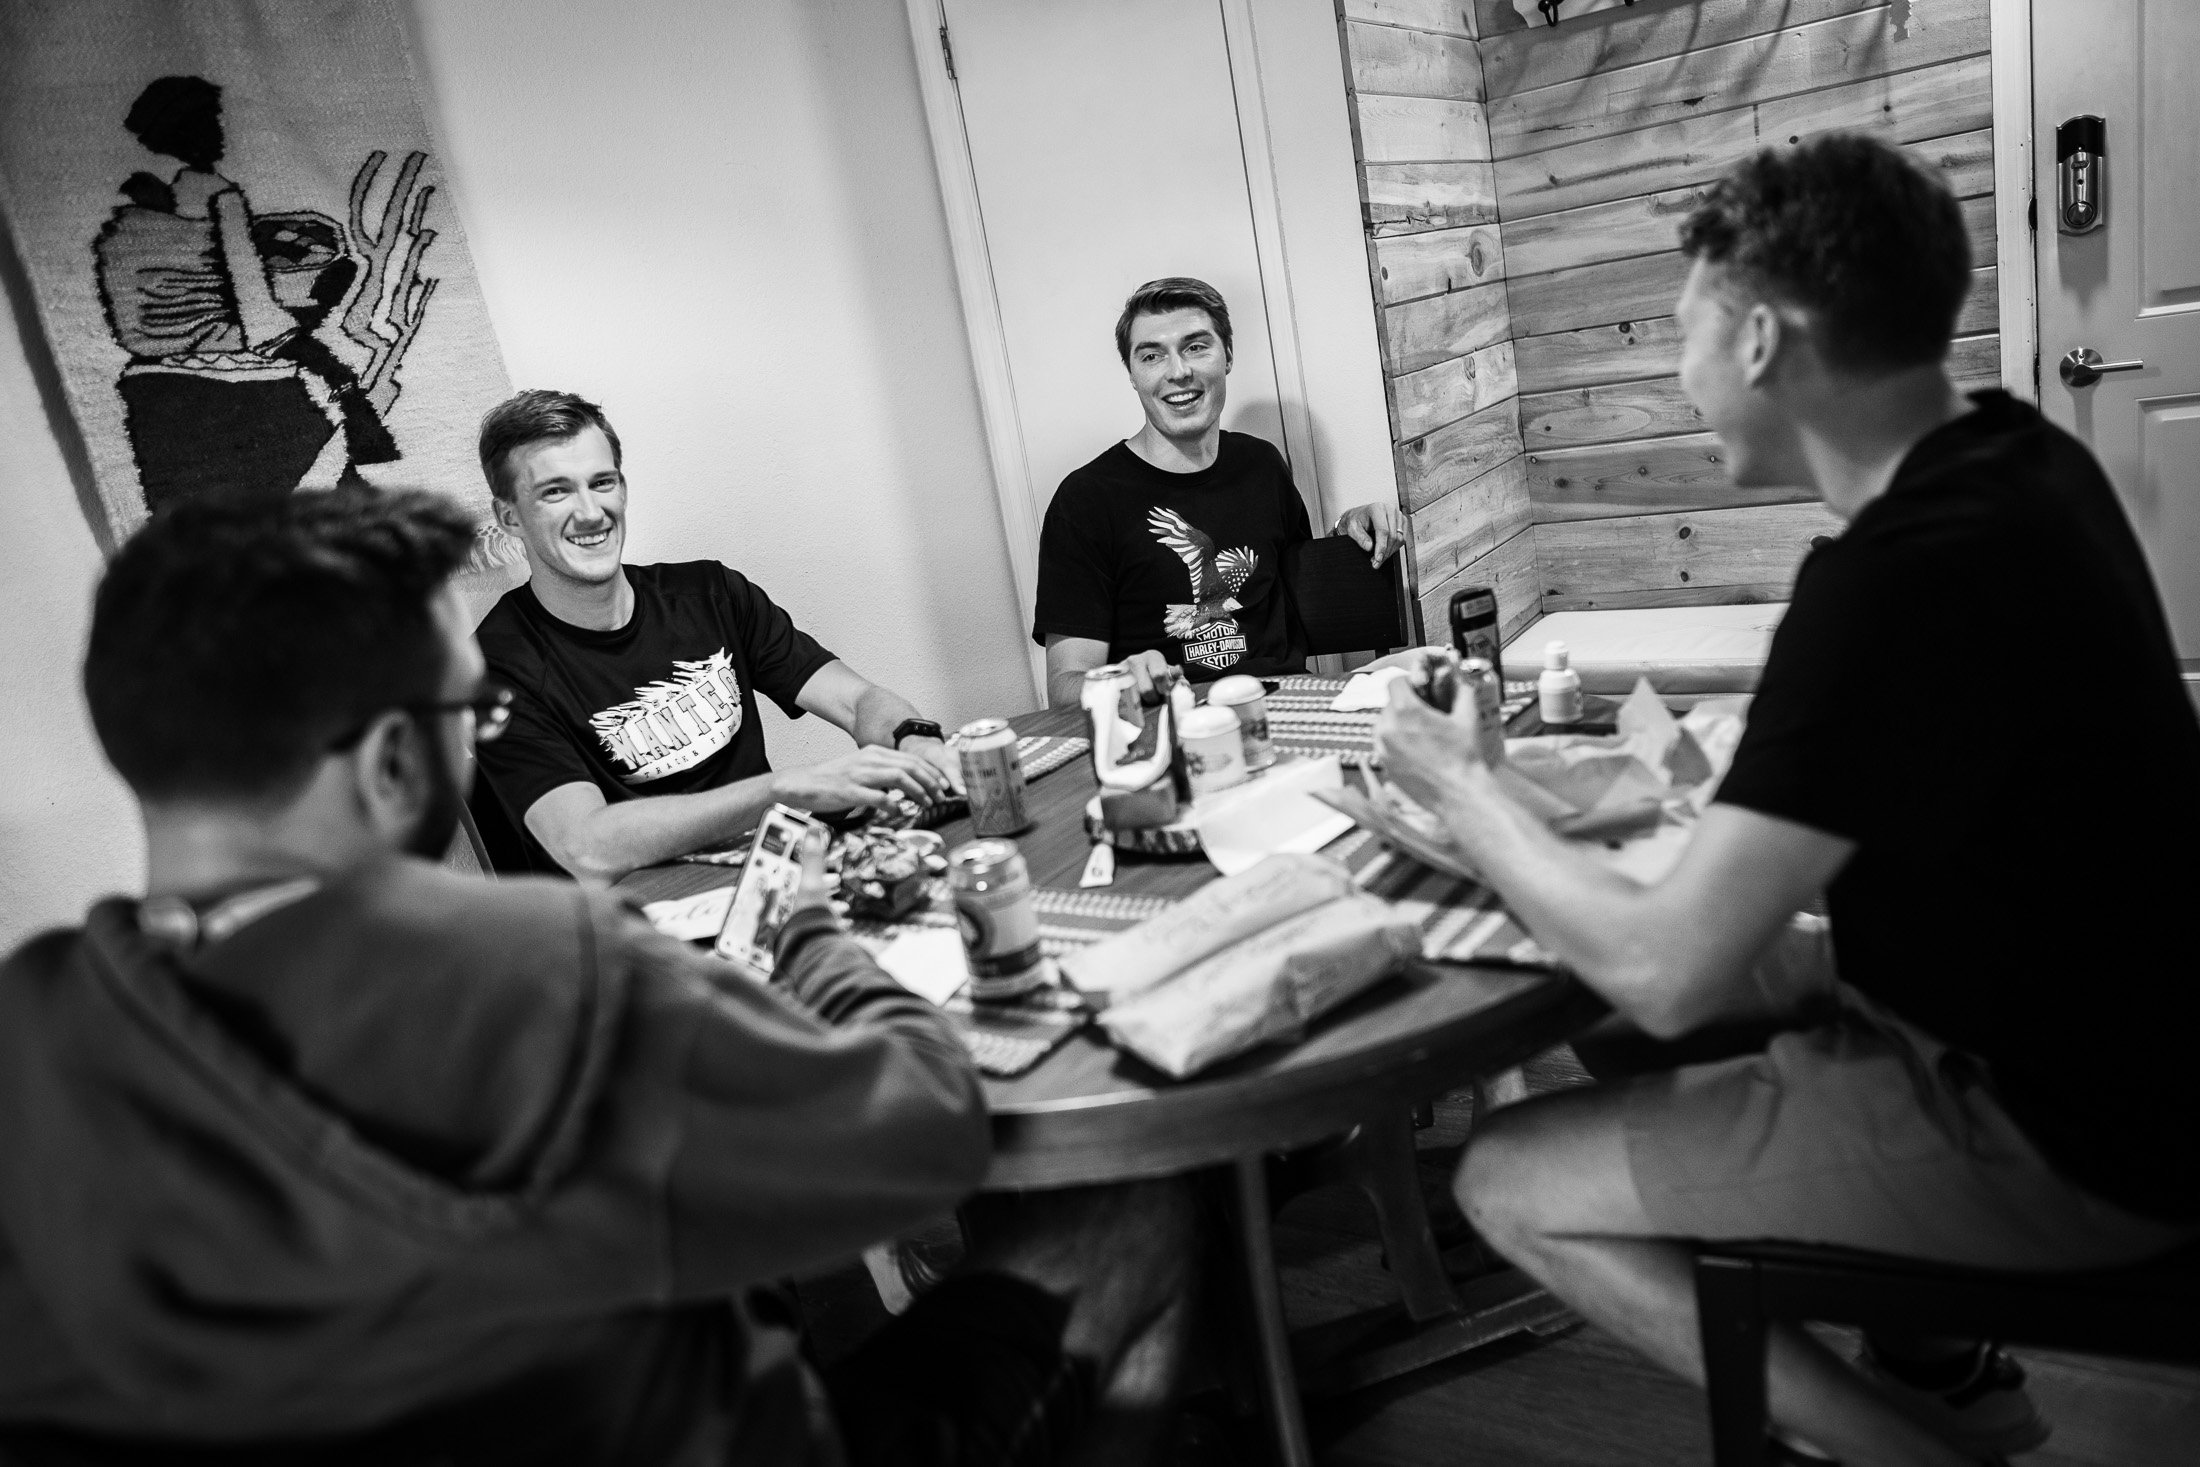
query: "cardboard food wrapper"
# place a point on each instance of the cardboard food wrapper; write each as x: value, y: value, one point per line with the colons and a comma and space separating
x: 1265, y: 987
x: 1219, y: 914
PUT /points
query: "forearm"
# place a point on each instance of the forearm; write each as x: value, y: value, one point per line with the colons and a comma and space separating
x: 1609, y: 929
x: 1065, y: 689
x: 878, y: 712
x: 629, y: 834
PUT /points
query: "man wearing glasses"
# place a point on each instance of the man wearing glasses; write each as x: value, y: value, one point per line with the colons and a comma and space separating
x: 634, y: 732
x: 321, y: 1152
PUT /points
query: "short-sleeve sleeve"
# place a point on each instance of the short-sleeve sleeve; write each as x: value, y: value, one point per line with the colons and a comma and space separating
x: 533, y: 756
x: 1076, y: 574
x: 782, y: 657
x: 1819, y: 745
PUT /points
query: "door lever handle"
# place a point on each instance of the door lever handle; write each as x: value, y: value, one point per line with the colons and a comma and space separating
x: 2082, y: 366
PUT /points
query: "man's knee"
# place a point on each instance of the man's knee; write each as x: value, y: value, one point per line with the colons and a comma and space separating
x: 1495, y: 1184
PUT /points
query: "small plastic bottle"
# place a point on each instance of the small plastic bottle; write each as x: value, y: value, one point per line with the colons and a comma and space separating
x: 1558, y: 690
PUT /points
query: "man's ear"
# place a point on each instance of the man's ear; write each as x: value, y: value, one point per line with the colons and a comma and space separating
x: 390, y: 774
x: 1762, y: 337
x: 506, y: 512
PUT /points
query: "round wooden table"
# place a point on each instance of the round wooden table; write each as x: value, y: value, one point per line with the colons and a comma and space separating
x: 1089, y: 1114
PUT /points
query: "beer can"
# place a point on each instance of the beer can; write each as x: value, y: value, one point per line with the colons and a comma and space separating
x: 1118, y: 676
x: 999, y: 921
x: 993, y: 776
x: 1477, y: 679
x: 1474, y: 628
x: 1245, y: 697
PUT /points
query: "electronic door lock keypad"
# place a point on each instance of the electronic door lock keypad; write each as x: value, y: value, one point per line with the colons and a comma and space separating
x: 2081, y: 152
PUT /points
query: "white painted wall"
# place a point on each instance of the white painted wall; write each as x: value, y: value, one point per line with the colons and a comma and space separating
x: 721, y: 221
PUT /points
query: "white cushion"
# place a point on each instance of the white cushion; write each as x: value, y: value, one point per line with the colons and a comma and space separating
x: 1681, y: 649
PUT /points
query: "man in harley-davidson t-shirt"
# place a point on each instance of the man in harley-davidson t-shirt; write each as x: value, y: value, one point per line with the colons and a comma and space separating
x: 1167, y: 549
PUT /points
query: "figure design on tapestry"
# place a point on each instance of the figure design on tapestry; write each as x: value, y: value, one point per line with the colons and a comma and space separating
x: 232, y: 381
x: 1209, y: 632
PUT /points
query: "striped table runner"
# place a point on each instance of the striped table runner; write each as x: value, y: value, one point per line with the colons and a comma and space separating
x: 1300, y: 720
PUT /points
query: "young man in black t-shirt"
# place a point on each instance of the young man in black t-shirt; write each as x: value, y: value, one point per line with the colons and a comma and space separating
x: 633, y: 736
x: 1995, y: 1077
x: 1167, y: 549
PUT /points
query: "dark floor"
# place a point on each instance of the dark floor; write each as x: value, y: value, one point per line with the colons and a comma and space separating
x: 1577, y: 1399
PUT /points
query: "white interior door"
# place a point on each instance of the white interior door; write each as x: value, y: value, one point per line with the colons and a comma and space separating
x: 1105, y: 146
x: 2130, y: 289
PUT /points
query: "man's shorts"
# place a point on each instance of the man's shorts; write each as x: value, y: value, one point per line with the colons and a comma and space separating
x: 1866, y: 1132
x: 973, y: 1374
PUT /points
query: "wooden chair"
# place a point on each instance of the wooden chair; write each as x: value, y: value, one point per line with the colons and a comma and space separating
x: 1346, y: 605
x: 2143, y: 1312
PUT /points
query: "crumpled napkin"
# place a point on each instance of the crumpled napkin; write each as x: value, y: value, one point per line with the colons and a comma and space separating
x: 1367, y: 690
x: 1264, y: 987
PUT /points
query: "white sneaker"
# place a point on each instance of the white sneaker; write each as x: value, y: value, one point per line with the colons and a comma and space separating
x: 1990, y: 1415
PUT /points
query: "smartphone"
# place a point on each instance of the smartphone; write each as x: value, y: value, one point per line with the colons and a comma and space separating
x: 765, y: 895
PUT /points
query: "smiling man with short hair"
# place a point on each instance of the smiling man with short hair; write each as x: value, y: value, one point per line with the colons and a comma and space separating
x: 1167, y: 550
x: 634, y: 735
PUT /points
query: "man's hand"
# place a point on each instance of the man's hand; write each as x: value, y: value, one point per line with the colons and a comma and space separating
x: 1145, y: 667
x: 1426, y: 753
x: 936, y: 753
x: 1377, y: 528
x: 816, y: 889
x: 869, y: 776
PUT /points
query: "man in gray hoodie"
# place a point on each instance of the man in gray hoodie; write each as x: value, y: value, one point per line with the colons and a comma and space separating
x: 322, y: 1153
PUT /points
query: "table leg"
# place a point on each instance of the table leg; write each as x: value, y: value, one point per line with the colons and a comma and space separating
x: 1279, y: 1383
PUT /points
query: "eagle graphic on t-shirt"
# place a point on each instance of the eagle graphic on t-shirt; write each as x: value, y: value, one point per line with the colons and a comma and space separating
x: 1210, y: 634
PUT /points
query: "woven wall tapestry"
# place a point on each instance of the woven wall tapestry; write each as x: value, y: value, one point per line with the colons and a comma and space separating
x: 242, y: 252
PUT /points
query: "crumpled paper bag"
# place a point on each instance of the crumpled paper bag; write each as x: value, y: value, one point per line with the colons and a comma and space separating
x: 1218, y: 914
x: 1654, y: 760
x: 1264, y: 987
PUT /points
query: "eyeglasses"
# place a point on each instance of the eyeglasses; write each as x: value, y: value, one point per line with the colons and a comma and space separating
x: 491, y: 707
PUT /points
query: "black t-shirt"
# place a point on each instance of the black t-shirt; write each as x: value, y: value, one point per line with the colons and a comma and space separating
x: 1976, y: 684
x: 1190, y: 565
x: 664, y: 705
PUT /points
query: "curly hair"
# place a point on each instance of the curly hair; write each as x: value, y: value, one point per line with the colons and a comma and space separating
x: 1852, y: 231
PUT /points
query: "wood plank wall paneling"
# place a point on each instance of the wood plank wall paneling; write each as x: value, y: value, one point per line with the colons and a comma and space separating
x: 1512, y: 569
x: 1604, y: 132
x: 1432, y: 466
x: 1406, y: 198
x: 1610, y: 291
x: 1543, y: 56
x: 1648, y: 223
x: 1702, y: 551
x: 1708, y: 79
x: 1400, y: 63
x: 1930, y: 102
x: 1629, y: 350
x: 1436, y: 261
x: 1454, y: 17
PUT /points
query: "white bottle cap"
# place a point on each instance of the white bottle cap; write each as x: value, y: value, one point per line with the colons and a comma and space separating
x: 1555, y: 656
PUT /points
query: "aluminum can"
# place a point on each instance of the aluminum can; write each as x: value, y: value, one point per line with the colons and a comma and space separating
x: 993, y: 775
x: 1478, y: 680
x: 1000, y: 923
x: 1473, y: 620
x: 1126, y: 691
x: 1245, y: 697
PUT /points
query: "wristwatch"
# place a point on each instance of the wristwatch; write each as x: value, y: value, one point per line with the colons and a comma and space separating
x: 918, y: 728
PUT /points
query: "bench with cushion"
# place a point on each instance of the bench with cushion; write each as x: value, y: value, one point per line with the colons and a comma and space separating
x: 1687, y: 652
